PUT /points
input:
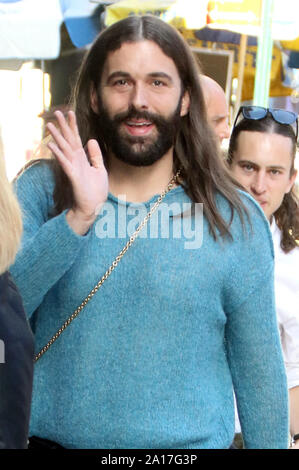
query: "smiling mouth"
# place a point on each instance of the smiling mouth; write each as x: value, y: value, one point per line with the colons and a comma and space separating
x: 138, y: 127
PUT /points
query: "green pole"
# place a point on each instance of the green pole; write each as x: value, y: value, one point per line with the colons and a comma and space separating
x: 264, y: 56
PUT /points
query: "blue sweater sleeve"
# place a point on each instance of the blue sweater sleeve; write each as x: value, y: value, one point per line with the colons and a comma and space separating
x: 253, y: 344
x: 257, y: 366
x: 49, y: 246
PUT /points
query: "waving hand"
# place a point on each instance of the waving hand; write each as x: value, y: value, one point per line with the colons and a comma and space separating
x: 89, y: 178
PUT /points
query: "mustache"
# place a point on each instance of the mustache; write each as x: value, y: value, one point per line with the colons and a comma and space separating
x: 133, y: 113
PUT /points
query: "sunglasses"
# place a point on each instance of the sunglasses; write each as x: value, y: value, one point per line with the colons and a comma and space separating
x: 258, y: 112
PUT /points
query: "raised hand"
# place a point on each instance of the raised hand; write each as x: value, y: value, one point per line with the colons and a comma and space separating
x: 89, y: 178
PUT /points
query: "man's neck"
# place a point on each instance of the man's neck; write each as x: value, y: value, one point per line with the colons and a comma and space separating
x: 139, y: 184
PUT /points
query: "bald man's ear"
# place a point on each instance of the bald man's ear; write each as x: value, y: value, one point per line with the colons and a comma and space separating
x: 94, y: 99
x: 185, y: 104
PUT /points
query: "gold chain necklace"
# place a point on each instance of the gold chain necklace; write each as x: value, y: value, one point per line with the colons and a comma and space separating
x: 110, y: 269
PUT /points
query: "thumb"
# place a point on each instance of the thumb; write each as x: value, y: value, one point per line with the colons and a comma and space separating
x: 95, y: 154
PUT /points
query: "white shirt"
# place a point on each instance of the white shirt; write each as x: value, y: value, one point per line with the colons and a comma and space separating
x: 286, y: 279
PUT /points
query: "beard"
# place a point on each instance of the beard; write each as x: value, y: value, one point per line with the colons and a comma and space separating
x: 138, y: 150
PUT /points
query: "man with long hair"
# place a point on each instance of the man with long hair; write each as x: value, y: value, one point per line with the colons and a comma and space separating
x: 149, y: 357
x: 262, y: 158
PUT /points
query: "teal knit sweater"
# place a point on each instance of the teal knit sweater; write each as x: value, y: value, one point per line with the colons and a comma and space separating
x: 152, y: 360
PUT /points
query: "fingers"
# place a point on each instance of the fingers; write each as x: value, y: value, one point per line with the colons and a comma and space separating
x: 64, y: 162
x: 74, y: 127
x: 67, y: 145
x: 66, y: 130
x: 95, y: 154
x: 58, y: 138
x: 68, y: 134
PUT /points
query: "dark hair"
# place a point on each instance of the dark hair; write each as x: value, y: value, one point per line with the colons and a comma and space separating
x: 196, y: 149
x: 287, y: 215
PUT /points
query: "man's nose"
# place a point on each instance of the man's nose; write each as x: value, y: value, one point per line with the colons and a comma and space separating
x: 139, y: 96
x: 224, y: 131
x: 259, y: 183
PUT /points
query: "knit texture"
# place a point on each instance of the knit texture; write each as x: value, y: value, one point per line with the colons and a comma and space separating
x: 152, y: 359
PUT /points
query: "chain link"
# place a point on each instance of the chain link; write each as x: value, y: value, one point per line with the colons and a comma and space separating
x: 109, y: 270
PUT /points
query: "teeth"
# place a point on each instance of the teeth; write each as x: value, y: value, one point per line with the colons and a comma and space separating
x: 138, y: 124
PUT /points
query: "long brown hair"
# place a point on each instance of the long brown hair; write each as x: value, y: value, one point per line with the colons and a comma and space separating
x: 287, y: 215
x: 196, y: 149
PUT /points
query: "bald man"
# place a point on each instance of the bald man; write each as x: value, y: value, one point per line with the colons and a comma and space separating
x: 217, y: 107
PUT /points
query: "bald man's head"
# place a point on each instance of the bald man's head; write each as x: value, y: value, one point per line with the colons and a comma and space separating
x: 217, y: 109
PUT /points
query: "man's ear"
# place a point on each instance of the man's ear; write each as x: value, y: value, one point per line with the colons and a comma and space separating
x: 94, y: 99
x: 292, y: 181
x: 185, y: 104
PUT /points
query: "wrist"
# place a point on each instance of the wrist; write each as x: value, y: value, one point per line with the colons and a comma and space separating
x: 79, y: 221
x: 88, y: 217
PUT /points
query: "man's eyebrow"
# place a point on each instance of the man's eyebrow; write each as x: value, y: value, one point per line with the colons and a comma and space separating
x: 118, y: 74
x: 122, y: 74
x: 161, y: 75
x: 272, y: 167
x: 248, y: 162
x: 276, y: 167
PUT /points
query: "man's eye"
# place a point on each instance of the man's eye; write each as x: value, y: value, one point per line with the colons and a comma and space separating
x: 158, y: 83
x: 247, y: 167
x: 121, y: 82
x: 275, y: 172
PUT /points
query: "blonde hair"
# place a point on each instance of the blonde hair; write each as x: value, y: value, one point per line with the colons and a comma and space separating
x: 10, y: 219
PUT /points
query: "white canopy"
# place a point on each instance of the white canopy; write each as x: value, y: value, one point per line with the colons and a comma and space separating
x: 30, y: 29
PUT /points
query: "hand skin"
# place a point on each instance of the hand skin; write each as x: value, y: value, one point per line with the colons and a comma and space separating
x: 88, y: 176
x: 79, y: 222
x: 294, y: 413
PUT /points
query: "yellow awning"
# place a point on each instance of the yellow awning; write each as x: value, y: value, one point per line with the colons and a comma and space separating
x: 181, y: 13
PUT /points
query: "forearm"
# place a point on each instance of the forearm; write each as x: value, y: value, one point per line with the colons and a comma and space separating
x: 258, y: 372
x: 263, y: 409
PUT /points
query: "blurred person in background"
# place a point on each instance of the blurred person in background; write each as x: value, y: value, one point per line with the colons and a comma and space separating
x: 216, y: 106
x: 17, y: 348
x: 261, y: 157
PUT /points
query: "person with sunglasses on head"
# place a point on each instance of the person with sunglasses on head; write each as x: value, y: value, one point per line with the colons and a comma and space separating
x: 261, y: 157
